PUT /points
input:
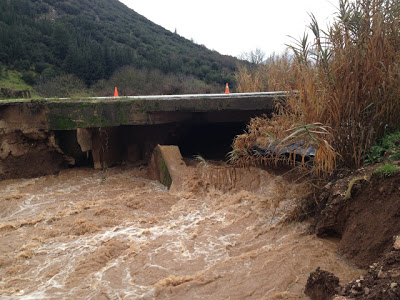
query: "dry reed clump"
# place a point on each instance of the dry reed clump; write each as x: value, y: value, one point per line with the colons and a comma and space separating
x: 346, y: 83
x: 274, y: 75
x: 272, y: 134
x: 250, y: 80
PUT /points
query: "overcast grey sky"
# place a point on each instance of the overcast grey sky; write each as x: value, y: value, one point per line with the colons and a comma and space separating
x: 236, y: 26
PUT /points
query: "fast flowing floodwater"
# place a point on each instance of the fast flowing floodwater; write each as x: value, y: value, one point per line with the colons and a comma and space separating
x: 114, y: 234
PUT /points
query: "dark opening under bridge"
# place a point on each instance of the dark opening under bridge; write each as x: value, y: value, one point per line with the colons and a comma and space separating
x: 119, y: 129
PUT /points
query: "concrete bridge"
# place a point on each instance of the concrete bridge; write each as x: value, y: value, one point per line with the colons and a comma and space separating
x: 106, y: 131
x: 69, y: 114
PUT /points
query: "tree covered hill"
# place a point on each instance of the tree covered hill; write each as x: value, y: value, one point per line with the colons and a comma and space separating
x: 93, y: 38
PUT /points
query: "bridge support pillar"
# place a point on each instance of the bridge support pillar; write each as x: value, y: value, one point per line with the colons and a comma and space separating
x: 104, y: 144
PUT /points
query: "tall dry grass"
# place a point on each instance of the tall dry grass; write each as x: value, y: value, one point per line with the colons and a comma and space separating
x: 347, y: 80
x: 250, y: 80
x: 274, y: 75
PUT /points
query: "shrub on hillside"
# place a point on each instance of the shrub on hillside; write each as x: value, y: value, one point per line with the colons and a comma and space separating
x: 29, y: 77
x: 61, y: 86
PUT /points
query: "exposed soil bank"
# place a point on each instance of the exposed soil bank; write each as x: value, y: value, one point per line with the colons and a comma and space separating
x: 29, y: 153
x: 367, y: 225
x: 367, y: 222
x: 380, y: 283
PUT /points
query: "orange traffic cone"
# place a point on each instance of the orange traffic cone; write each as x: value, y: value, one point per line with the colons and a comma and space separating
x: 116, y: 92
x: 227, y: 89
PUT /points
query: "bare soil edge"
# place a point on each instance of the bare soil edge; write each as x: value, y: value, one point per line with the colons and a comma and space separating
x: 368, y: 225
x: 30, y: 153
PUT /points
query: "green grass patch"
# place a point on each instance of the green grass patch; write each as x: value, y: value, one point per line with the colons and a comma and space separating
x: 389, y: 142
x: 13, y: 80
x: 387, y: 170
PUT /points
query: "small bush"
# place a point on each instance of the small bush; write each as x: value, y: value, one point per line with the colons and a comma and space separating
x: 395, y: 155
x: 41, y: 66
x: 29, y: 77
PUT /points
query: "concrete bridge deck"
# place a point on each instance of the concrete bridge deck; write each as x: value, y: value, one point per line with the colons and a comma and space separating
x: 68, y: 114
x: 41, y: 135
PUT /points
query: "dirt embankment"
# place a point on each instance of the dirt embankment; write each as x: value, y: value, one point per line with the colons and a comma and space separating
x: 380, y: 283
x: 29, y: 153
x: 367, y: 224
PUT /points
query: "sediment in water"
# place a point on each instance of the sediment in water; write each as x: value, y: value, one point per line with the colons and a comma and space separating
x: 115, y: 233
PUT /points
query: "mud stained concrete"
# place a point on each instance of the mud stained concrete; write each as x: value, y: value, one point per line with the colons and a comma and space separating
x: 115, y: 234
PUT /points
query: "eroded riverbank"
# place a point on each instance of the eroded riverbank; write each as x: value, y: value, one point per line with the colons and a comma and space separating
x: 115, y: 234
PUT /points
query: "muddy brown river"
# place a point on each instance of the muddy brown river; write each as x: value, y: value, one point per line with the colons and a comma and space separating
x: 115, y: 234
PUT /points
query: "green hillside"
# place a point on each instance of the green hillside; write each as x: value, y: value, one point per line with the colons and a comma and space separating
x: 92, y: 39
